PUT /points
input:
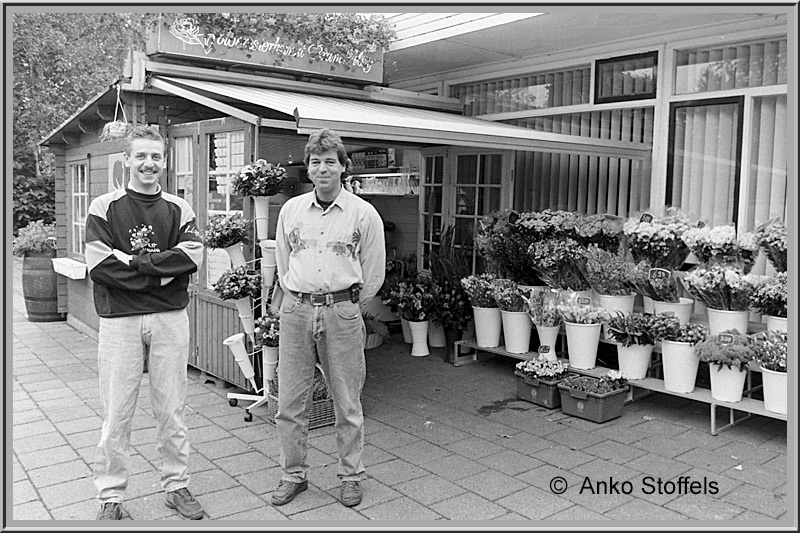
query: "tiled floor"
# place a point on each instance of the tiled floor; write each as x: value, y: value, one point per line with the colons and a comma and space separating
x: 443, y: 443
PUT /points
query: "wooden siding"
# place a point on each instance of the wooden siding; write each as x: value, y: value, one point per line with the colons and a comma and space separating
x: 403, y: 212
x: 216, y: 321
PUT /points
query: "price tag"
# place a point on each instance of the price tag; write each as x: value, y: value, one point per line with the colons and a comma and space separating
x: 583, y: 300
x: 659, y: 274
x: 701, y: 224
x: 646, y: 217
x: 725, y: 338
x: 544, y: 348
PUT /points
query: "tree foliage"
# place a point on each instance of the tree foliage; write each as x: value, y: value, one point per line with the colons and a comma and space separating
x: 60, y: 60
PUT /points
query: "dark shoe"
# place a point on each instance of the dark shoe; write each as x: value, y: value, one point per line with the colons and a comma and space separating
x: 351, y: 493
x: 287, y: 490
x: 182, y: 501
x: 112, y: 511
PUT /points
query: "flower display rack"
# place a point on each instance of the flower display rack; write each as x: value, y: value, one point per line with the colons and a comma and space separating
x: 322, y: 413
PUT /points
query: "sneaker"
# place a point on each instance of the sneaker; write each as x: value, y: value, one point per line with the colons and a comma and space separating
x: 112, y: 511
x: 182, y: 501
x: 351, y: 493
x: 287, y: 490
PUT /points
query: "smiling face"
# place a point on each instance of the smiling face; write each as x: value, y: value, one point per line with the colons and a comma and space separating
x: 325, y: 171
x: 145, y: 158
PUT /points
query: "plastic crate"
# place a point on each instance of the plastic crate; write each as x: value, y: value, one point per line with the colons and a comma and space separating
x: 540, y: 392
x: 590, y: 406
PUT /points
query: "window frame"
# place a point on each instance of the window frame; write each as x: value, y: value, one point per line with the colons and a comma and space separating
x: 77, y: 228
x: 598, y: 86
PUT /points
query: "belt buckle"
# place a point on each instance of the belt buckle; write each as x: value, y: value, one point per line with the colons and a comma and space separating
x: 316, y: 299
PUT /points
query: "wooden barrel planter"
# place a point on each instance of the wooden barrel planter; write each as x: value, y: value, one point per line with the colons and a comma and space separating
x: 40, y: 287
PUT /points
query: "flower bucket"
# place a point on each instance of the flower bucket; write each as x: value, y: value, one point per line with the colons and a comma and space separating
x: 419, y: 338
x: 682, y: 310
x: 775, y: 390
x: 488, y: 326
x: 235, y: 344
x: 270, y: 354
x: 538, y: 391
x: 634, y: 360
x: 615, y: 304
x: 597, y: 408
x: 516, y: 331
x: 548, y: 336
x: 406, y: 331
x: 436, y: 337
x: 236, y: 254
x: 261, y: 204
x: 727, y: 384
x: 680, y: 363
x: 720, y: 320
x: 648, y: 304
x: 582, y: 342
x: 245, y: 308
x: 776, y: 323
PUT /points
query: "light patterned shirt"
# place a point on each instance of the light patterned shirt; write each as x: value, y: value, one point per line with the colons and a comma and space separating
x: 330, y: 250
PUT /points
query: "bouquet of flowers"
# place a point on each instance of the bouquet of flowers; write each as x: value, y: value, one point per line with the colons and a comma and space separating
x: 543, y: 368
x: 559, y: 262
x: 729, y: 349
x: 636, y: 328
x: 669, y: 328
x: 267, y: 329
x: 239, y: 282
x: 660, y: 288
x: 259, y: 179
x: 771, y: 349
x: 658, y: 240
x: 225, y: 230
x: 508, y: 296
x: 548, y: 224
x: 613, y: 380
x: 770, y: 296
x: 36, y: 237
x: 503, y: 242
x: 448, y: 264
x: 575, y: 313
x: 720, y: 245
x: 608, y: 273
x: 725, y: 288
x: 771, y: 237
x: 479, y: 289
x: 542, y: 306
x: 454, y: 310
x: 603, y: 231
x: 415, y: 299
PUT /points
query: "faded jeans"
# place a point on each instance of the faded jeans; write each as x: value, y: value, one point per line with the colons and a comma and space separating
x: 337, y: 334
x: 123, y: 344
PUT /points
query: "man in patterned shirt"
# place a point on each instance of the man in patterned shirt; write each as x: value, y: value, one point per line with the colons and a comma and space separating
x: 331, y: 261
x: 142, y: 245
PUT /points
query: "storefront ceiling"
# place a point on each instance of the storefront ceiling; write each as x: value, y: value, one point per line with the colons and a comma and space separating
x: 368, y: 120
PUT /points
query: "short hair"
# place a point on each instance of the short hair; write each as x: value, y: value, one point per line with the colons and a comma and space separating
x: 324, y: 140
x: 142, y: 131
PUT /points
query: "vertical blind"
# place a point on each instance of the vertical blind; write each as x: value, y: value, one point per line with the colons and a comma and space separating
x: 586, y: 184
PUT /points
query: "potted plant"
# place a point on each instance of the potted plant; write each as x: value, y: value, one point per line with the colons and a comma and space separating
x: 502, y: 239
x: 514, y: 314
x: 36, y: 244
x: 611, y: 276
x: 543, y: 310
x: 595, y: 399
x: 376, y: 331
x: 727, y: 355
x: 228, y: 232
x: 770, y: 351
x: 448, y: 263
x: 679, y: 358
x: 266, y: 333
x: 537, y: 381
x: 719, y: 245
x: 770, y: 298
x: 260, y: 180
x: 771, y: 237
x: 636, y: 337
x: 415, y: 303
x: 658, y: 240
x: 486, y: 313
x: 582, y: 323
x: 240, y: 284
x: 559, y: 262
x: 726, y: 292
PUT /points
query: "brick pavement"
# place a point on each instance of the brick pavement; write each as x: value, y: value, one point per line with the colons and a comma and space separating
x: 443, y: 443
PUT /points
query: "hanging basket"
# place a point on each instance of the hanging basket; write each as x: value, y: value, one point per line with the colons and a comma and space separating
x: 114, y: 130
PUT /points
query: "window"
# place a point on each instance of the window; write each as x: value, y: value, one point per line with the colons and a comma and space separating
x: 184, y: 168
x: 766, y: 192
x: 79, y: 182
x: 225, y: 158
x: 625, y: 78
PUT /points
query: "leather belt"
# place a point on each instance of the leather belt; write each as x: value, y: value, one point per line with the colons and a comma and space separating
x: 328, y: 298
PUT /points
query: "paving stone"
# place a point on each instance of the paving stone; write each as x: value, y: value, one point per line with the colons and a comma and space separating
x: 658, y: 466
x: 666, y: 447
x: 67, y: 493
x: 563, y: 457
x: 18, y: 473
x: 468, y: 506
x: 213, y: 480
x: 261, y: 482
x: 779, y: 462
x: 24, y: 492
x: 85, y: 509
x: 149, y: 507
x: 491, y: 484
x: 265, y: 513
x: 704, y: 507
x: 51, y: 475
x: 26, y: 417
x: 394, y: 472
x: 759, y: 518
x: 242, y: 463
x: 31, y: 511
x: 375, y: 492
x: 574, y: 438
x: 474, y: 447
x: 399, y: 510
x: 524, y: 443
x: 334, y: 511
x: 576, y: 512
x: 88, y: 423
x: 742, y: 451
x: 373, y: 456
x: 312, y: 498
x: 84, y: 439
x: 510, y: 462
x: 758, y: 475
x: 758, y: 499
x: 387, y: 440
x: 707, y: 459
x: 231, y: 501
x: 32, y: 429
x: 534, y: 503
x: 48, y: 457
x: 637, y: 509
x: 420, y: 450
x: 221, y: 448
x: 429, y: 489
x: 453, y: 467
x: 614, y: 451
x: 618, y: 434
x: 724, y: 484
x: 71, y: 413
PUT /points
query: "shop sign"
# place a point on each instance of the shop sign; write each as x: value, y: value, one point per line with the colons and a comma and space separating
x: 183, y: 37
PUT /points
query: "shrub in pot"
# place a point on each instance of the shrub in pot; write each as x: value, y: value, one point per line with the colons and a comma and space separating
x: 770, y: 351
x: 680, y: 360
x: 727, y: 355
x: 36, y: 244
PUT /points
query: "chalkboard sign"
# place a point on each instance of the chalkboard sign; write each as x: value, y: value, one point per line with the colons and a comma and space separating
x: 544, y: 348
x: 583, y: 300
x: 725, y: 338
x: 646, y: 217
x: 659, y: 274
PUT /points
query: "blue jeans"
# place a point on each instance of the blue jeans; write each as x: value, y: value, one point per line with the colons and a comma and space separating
x: 123, y: 344
x: 337, y: 334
